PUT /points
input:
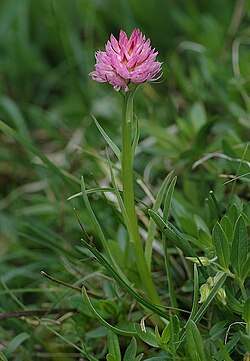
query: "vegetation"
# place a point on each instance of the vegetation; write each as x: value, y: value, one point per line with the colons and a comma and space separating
x: 71, y: 289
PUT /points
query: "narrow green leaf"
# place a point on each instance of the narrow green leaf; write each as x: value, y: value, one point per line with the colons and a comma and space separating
x: 16, y: 342
x: 245, y: 339
x: 130, y: 353
x: 160, y: 358
x: 168, y: 199
x: 229, y: 347
x: 3, y: 357
x: 195, y: 293
x: 136, y: 135
x: 158, y: 336
x: 246, y: 268
x: 103, y: 190
x: 152, y: 224
x: 33, y: 149
x: 221, y: 245
x: 214, y: 203
x: 175, y: 333
x: 11, y: 108
x: 233, y: 213
x: 139, y: 357
x: 194, y: 342
x: 98, y: 228
x: 101, y: 320
x: 110, y: 142
x: 113, y: 346
x: 239, y: 247
x: 93, y: 217
x: 175, y: 238
x: 224, y: 353
x: 123, y: 284
x: 148, y: 337
x: 234, y: 303
x: 227, y: 228
x: 83, y: 351
x: 110, y: 357
x: 246, y: 311
x: 120, y: 201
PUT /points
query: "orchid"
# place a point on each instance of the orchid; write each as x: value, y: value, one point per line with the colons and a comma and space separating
x: 126, y: 61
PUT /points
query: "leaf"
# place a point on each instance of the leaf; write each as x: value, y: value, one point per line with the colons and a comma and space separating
x: 16, y: 342
x: 166, y: 333
x: 197, y: 115
x: 136, y: 136
x: 175, y: 238
x: 168, y: 199
x: 194, y: 342
x: 245, y: 339
x: 224, y: 351
x: 221, y: 245
x: 98, y: 227
x: 110, y: 357
x: 227, y: 228
x: 233, y: 213
x: 127, y: 287
x: 195, y: 294
x: 233, y: 303
x: 152, y: 225
x: 148, y: 337
x: 120, y: 200
x: 10, y: 107
x: 239, y: 247
x: 159, y: 358
x: 101, y: 320
x: 3, y: 357
x: 158, y: 336
x: 175, y: 333
x: 28, y: 145
x: 110, y: 142
x: 246, y: 268
x: 229, y: 347
x: 139, y: 357
x: 246, y: 311
x: 113, y: 346
x: 130, y: 353
x: 201, y: 311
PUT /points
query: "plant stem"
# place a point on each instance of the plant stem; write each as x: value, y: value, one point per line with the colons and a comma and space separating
x: 128, y: 194
x: 243, y: 290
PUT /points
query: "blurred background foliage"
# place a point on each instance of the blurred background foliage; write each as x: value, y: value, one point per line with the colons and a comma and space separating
x: 195, y: 121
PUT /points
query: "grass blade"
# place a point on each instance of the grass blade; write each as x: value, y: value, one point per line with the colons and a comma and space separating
x: 152, y: 224
x: 175, y: 238
x: 101, y: 320
x: 110, y: 142
x: 123, y: 284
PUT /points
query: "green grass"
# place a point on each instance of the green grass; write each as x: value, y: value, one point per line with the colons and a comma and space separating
x: 195, y: 122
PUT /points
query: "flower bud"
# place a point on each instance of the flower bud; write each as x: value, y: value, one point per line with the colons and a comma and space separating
x: 204, y: 292
x: 221, y: 296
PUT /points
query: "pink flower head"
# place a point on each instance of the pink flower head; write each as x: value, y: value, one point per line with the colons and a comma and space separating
x: 126, y: 61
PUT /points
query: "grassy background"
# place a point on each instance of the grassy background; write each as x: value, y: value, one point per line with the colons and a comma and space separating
x: 199, y: 109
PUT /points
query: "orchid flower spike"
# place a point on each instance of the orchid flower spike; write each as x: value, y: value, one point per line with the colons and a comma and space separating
x: 126, y: 61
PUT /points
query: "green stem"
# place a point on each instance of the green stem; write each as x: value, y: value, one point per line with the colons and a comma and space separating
x: 243, y: 290
x: 128, y: 194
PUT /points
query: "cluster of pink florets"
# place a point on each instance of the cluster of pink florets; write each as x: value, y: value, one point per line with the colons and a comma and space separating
x: 126, y: 61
